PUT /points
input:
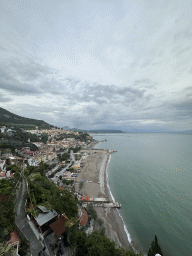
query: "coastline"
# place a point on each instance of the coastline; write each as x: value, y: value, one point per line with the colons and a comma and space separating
x: 95, y: 177
x: 115, y: 218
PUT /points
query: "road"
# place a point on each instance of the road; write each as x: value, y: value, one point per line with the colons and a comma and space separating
x: 22, y: 223
x: 60, y: 173
x: 52, y: 170
x: 72, y: 156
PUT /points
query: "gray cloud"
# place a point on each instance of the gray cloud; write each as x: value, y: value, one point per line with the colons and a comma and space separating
x: 10, y: 83
x: 79, y: 103
x: 23, y: 77
x: 145, y: 83
x: 183, y: 108
x: 185, y: 50
x: 16, y: 87
x: 30, y: 69
x: 80, y: 91
x: 4, y: 99
x: 71, y: 64
x: 184, y: 34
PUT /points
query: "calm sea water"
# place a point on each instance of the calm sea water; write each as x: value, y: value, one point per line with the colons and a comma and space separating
x: 151, y: 176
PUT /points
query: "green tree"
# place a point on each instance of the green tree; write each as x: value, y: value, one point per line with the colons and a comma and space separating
x: 155, y: 248
x: 23, y: 247
x: 63, y: 202
x: 72, y: 229
x: 81, y: 243
x: 7, y: 213
x: 100, y: 245
x: 97, y: 244
x: 91, y: 211
x: 64, y: 157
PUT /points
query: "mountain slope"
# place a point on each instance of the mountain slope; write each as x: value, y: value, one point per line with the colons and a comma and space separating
x: 7, y: 118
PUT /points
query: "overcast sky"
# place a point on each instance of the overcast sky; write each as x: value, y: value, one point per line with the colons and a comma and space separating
x: 98, y: 63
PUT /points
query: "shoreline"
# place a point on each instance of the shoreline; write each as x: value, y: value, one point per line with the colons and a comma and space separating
x: 118, y: 224
x: 95, y: 170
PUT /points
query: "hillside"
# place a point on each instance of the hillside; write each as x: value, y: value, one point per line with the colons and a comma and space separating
x: 9, y: 119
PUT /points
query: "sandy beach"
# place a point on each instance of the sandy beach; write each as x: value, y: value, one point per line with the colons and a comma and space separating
x: 94, y: 171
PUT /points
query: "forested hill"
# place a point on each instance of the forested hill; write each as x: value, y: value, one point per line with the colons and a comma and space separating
x: 7, y: 118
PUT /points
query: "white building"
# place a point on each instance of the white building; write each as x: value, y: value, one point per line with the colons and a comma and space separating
x: 2, y: 164
x: 33, y: 162
x: 3, y: 129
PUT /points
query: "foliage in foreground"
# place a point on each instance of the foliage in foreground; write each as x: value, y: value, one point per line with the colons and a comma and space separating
x: 155, y: 248
x: 7, y: 214
x: 97, y: 244
x: 45, y: 192
x: 23, y: 247
x: 91, y: 211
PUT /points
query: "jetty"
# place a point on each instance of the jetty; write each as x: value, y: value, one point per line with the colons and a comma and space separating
x: 105, y: 205
x: 97, y: 201
x: 109, y: 205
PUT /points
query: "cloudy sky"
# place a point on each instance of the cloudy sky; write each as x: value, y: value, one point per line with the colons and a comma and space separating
x: 98, y: 63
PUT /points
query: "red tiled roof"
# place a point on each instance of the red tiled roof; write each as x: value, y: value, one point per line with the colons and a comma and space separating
x: 59, y: 225
x: 84, y: 218
x: 86, y: 198
x: 61, y: 187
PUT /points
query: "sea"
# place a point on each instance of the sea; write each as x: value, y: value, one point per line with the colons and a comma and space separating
x: 150, y: 175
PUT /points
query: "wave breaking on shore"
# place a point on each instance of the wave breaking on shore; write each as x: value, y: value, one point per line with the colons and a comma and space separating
x: 113, y: 199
